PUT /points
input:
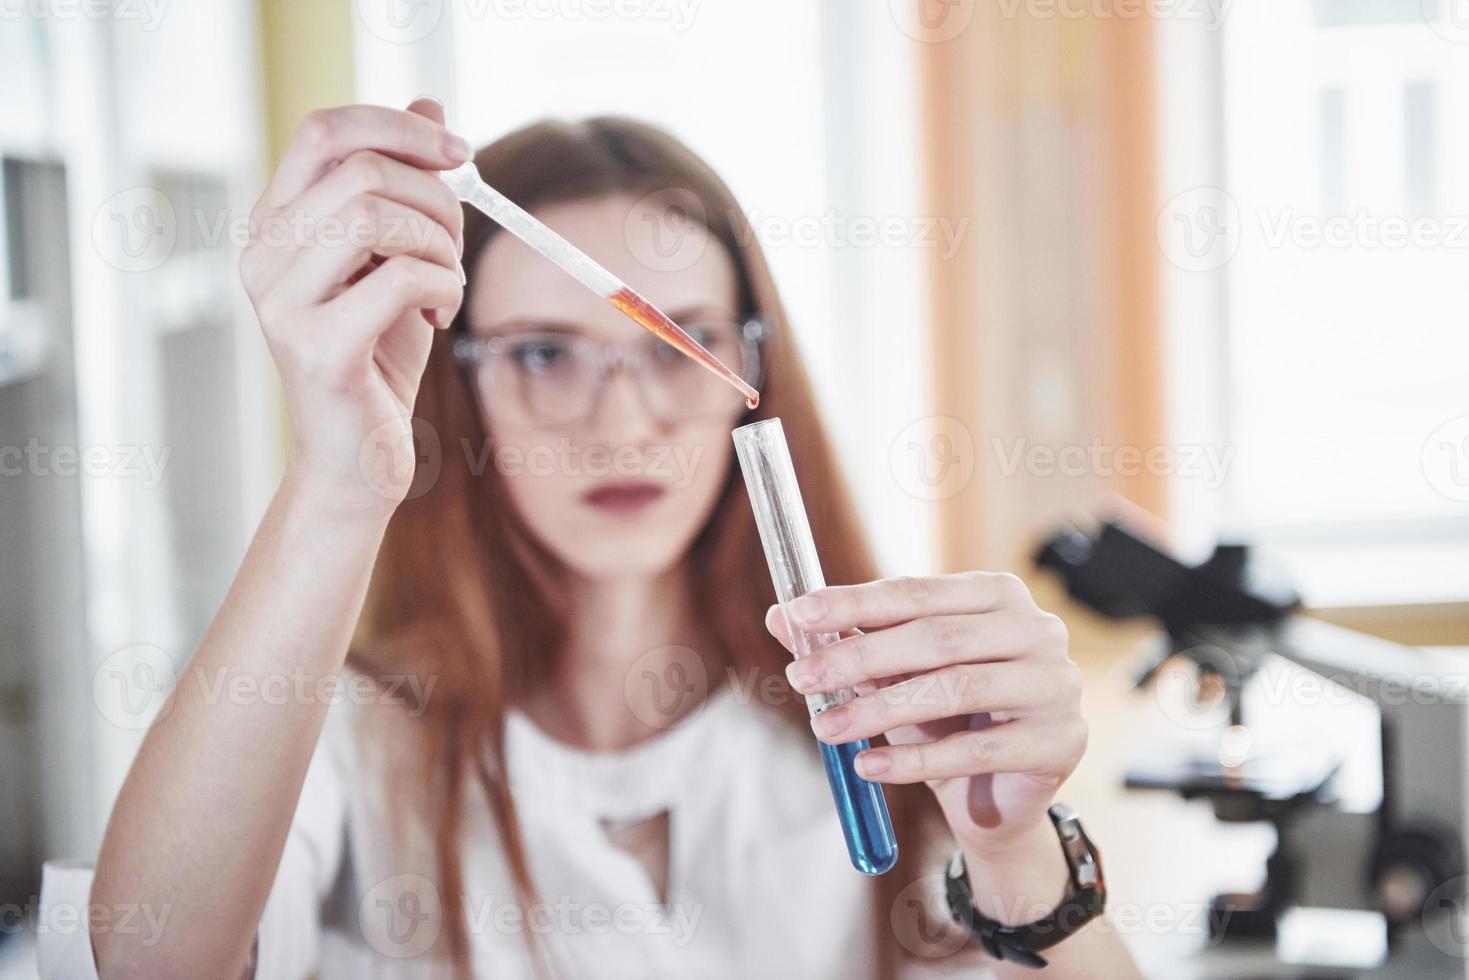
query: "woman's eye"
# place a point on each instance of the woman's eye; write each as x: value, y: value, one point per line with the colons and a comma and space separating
x: 539, y: 355
x: 667, y: 354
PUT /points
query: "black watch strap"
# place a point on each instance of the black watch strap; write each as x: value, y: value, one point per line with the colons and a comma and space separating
x: 1022, y: 944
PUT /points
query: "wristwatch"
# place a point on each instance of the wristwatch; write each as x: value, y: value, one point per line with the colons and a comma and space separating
x: 1022, y: 944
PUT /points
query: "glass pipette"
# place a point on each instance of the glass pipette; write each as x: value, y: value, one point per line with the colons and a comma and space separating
x: 790, y: 551
x: 470, y: 188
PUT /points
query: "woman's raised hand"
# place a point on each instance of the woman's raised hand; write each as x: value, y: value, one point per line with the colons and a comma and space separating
x: 353, y: 262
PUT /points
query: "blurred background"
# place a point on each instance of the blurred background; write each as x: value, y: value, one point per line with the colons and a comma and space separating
x: 1048, y: 260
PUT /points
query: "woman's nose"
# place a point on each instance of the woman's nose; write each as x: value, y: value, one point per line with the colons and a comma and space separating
x: 621, y: 415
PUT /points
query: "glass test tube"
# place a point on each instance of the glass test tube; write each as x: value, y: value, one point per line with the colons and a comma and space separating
x: 795, y: 569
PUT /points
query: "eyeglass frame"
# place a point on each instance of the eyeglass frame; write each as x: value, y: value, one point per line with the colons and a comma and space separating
x: 755, y: 333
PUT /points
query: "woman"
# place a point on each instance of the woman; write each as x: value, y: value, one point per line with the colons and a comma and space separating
x: 580, y: 756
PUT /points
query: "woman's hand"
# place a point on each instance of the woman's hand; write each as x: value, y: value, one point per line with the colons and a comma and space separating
x: 969, y: 680
x: 353, y: 261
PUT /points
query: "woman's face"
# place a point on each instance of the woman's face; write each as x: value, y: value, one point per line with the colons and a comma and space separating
x: 607, y: 475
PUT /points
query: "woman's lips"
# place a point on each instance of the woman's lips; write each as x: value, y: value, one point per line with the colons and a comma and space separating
x: 622, y: 499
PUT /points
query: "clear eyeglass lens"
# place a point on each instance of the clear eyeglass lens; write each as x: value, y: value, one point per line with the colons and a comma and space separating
x: 556, y: 378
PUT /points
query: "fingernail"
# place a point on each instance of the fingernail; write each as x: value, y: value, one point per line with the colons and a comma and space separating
x: 832, y: 721
x: 463, y: 279
x: 873, y: 763
x: 432, y: 98
x: 445, y: 316
x: 809, y: 608
x: 456, y: 147
x: 459, y: 240
x: 804, y: 674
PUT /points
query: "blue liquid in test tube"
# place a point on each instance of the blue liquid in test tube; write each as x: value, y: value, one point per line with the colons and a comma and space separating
x: 790, y: 551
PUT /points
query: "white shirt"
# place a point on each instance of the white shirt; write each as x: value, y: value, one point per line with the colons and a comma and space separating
x: 759, y: 883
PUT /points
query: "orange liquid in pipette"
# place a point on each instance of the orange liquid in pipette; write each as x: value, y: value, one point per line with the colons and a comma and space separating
x: 652, y: 318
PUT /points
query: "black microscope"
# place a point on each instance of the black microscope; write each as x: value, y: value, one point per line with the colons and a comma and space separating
x: 1402, y: 855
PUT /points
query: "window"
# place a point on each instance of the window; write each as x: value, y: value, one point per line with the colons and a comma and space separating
x: 1330, y: 304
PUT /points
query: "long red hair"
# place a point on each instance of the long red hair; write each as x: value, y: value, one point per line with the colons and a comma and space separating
x: 462, y: 591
